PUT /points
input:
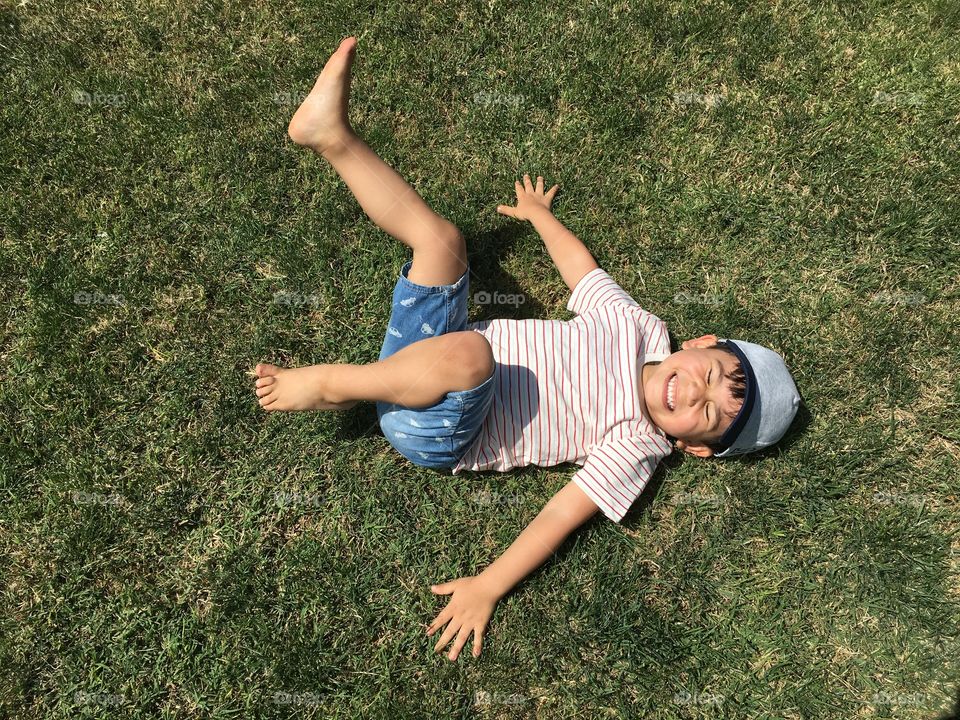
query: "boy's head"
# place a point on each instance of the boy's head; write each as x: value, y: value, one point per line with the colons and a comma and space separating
x: 721, y: 397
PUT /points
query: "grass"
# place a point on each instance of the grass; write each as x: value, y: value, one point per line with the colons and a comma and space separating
x: 786, y: 173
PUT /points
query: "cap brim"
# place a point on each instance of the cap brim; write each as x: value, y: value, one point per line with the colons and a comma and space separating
x: 749, y: 399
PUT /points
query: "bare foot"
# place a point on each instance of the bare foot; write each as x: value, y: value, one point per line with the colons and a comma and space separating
x: 321, y: 121
x: 295, y: 389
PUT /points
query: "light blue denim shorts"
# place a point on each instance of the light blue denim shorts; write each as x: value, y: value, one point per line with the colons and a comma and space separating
x: 436, y: 436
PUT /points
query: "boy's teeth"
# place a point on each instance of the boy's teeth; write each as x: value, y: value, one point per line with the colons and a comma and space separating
x: 671, y: 388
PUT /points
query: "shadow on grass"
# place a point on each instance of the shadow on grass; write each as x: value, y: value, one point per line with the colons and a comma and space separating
x: 485, y: 250
x: 953, y: 714
x: 360, y: 421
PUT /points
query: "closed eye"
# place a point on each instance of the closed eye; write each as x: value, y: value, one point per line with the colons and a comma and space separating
x: 706, y: 408
x: 709, y: 375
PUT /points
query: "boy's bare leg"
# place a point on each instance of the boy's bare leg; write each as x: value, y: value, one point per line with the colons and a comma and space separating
x: 419, y: 375
x: 321, y: 123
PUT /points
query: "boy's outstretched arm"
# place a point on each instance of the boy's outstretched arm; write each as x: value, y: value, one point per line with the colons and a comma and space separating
x: 571, y: 256
x: 474, y: 598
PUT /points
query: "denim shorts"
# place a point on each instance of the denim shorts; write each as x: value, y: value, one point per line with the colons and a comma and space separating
x: 436, y: 436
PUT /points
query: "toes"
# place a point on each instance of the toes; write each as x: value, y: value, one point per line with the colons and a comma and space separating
x: 267, y: 370
x: 264, y: 391
x: 343, y: 55
x: 349, y: 42
x: 266, y: 402
x: 266, y: 381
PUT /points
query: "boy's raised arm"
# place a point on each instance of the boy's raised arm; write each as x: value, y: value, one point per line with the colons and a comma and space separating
x: 474, y: 598
x: 571, y: 256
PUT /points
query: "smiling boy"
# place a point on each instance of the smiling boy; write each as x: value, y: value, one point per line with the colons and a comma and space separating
x: 603, y: 390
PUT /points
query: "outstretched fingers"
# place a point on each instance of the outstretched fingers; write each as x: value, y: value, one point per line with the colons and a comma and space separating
x: 478, y: 641
x: 461, y: 640
x: 440, y: 620
x: 447, y: 636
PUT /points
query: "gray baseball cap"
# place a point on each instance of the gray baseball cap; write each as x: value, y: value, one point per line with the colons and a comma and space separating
x: 769, y: 404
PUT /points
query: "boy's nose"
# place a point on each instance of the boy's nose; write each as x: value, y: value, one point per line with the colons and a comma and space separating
x: 695, y: 391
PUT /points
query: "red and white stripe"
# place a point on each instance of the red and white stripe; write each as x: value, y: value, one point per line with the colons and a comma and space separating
x: 567, y: 391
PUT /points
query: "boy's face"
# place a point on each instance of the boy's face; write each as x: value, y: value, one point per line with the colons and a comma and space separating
x: 688, y: 395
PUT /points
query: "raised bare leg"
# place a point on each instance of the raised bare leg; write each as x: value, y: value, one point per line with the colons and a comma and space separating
x: 321, y: 123
x: 417, y: 376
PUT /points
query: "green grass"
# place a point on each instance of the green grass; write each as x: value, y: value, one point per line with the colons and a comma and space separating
x: 168, y: 550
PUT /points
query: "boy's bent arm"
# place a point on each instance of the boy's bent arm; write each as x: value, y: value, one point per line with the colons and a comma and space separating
x: 569, y: 254
x: 566, y: 511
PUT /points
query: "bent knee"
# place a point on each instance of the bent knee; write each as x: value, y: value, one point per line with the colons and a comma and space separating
x: 448, y: 234
x: 472, y: 356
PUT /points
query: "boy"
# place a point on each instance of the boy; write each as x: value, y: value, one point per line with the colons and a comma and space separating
x: 602, y: 390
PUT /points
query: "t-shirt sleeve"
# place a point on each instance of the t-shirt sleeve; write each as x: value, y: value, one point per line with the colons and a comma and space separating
x: 616, y: 472
x: 596, y: 289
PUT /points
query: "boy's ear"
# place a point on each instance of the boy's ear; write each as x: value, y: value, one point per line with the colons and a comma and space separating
x: 701, y: 451
x: 703, y: 341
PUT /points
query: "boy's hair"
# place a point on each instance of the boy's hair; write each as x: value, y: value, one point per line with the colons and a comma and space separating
x: 738, y: 385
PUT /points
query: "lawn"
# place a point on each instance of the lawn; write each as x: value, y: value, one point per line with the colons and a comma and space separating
x: 782, y: 172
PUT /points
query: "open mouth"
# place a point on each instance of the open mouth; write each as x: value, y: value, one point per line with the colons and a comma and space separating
x: 670, y: 393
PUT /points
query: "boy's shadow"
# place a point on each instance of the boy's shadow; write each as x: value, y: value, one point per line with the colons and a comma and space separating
x: 493, y: 294
x: 953, y: 714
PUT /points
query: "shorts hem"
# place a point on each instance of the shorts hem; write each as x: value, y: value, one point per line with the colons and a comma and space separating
x: 408, y: 284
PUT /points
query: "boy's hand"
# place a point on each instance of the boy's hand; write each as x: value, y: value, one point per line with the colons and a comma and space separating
x: 468, y: 611
x: 529, y: 198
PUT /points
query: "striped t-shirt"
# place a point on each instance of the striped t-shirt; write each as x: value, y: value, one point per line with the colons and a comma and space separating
x: 568, y: 391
